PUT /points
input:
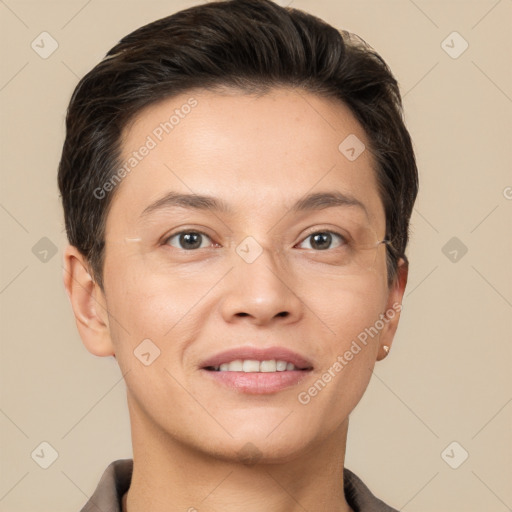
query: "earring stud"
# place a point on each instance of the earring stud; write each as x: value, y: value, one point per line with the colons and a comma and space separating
x: 386, y: 349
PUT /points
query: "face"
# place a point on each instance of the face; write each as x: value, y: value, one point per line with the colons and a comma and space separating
x: 269, y: 266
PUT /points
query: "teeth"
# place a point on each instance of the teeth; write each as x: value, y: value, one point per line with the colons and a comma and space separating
x: 281, y: 366
x: 268, y: 366
x: 252, y: 366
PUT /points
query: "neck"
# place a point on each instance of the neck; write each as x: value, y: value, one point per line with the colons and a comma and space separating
x: 170, y: 475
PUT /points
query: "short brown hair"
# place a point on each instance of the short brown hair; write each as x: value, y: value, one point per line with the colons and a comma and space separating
x: 252, y: 45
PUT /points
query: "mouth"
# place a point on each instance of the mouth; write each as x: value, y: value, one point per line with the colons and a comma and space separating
x: 257, y: 371
x: 251, y: 359
x: 255, y: 366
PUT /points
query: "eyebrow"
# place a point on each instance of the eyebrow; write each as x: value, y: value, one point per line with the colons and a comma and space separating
x: 191, y: 201
x: 321, y: 200
x: 314, y: 201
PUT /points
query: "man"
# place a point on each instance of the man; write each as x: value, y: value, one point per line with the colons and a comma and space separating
x: 237, y: 183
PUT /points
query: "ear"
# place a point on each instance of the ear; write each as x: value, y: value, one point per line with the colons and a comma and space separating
x: 393, y: 308
x: 88, y: 303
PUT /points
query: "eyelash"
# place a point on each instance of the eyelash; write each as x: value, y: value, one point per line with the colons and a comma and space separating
x: 198, y: 232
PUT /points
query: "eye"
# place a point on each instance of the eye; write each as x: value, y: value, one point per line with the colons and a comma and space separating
x: 189, y: 240
x: 322, y: 240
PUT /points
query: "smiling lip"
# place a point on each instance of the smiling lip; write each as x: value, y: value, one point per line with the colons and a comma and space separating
x: 257, y: 382
x: 258, y: 354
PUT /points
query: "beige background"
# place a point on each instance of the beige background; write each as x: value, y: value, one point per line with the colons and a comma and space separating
x: 448, y: 377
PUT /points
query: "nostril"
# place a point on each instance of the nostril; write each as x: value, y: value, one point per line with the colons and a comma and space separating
x: 281, y: 314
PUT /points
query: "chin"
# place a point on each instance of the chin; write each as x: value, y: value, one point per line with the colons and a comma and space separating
x: 258, y: 448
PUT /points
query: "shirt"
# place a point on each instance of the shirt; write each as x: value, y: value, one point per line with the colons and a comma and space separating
x: 116, y: 479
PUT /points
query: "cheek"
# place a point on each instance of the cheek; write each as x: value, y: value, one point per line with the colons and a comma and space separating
x: 350, y: 305
x: 146, y: 308
x: 350, y: 345
x: 159, y: 304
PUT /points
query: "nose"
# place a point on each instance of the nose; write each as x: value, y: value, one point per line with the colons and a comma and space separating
x: 261, y: 292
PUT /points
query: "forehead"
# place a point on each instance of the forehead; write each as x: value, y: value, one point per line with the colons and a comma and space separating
x: 258, y: 153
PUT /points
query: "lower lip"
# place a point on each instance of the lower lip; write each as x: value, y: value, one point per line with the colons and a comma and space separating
x: 258, y: 383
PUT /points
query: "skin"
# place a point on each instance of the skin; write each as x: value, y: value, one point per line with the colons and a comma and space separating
x: 260, y: 154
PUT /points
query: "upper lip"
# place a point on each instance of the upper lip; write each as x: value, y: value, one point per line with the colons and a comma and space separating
x: 258, y: 354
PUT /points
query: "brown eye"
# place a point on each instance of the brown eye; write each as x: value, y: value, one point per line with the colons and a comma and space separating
x: 323, y: 240
x: 188, y: 240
